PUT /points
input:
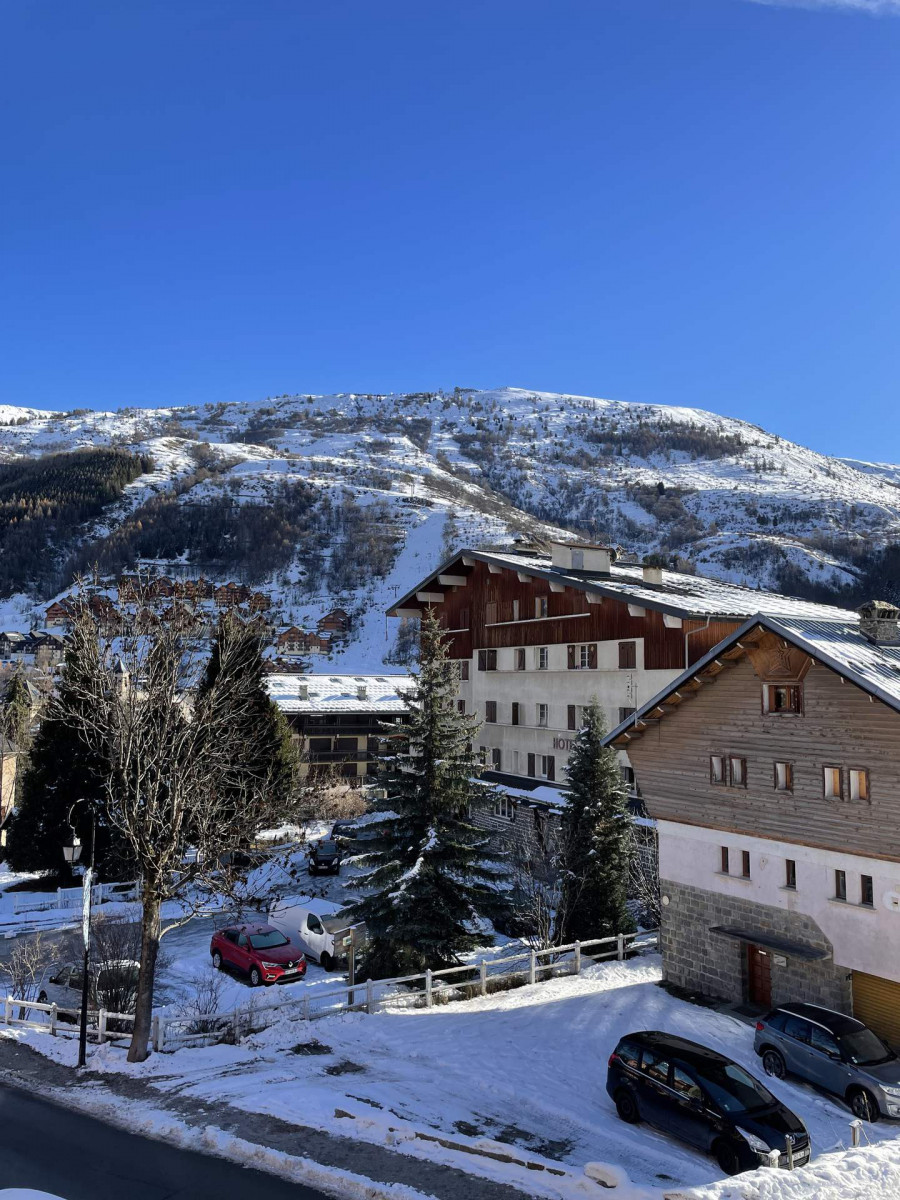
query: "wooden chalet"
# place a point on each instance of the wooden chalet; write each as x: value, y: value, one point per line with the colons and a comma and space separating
x: 337, y: 621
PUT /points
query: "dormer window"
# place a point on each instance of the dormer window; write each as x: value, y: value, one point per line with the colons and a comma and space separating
x: 782, y: 699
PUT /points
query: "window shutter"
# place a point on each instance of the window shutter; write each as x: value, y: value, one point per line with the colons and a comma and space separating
x: 531, y: 765
x: 515, y: 712
x: 592, y: 656
x: 551, y: 766
x: 571, y: 653
x: 572, y: 717
x: 482, y: 660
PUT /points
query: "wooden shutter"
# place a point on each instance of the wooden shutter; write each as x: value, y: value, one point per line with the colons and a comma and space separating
x: 592, y: 656
x: 482, y: 660
x: 627, y: 656
x: 515, y: 712
x: 531, y: 765
x: 573, y: 717
x: 571, y: 653
x: 551, y: 766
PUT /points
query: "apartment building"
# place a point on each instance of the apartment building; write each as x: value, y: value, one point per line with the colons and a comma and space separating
x: 338, y: 720
x: 772, y: 768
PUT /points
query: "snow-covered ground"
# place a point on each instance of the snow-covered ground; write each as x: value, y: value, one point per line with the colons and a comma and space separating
x: 525, y: 1069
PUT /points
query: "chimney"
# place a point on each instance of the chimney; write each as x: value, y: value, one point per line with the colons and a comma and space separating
x: 581, y: 556
x: 879, y: 622
x: 652, y: 575
x: 303, y: 691
x: 362, y: 692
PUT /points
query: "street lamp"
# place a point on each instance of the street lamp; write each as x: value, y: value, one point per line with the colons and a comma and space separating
x: 72, y: 853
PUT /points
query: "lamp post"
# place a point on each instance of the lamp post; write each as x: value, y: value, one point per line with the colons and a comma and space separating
x: 72, y: 853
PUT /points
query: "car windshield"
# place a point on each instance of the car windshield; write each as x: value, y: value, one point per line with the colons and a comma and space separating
x: 326, y: 848
x: 732, y: 1089
x: 863, y: 1048
x: 265, y: 941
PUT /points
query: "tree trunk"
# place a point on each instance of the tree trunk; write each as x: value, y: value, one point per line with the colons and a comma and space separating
x: 143, y: 1008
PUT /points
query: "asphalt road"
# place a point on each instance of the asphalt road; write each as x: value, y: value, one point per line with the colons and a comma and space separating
x: 77, y: 1157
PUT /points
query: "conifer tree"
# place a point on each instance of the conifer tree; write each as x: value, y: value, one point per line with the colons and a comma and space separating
x: 261, y: 730
x: 15, y: 721
x: 595, y: 839
x: 427, y: 873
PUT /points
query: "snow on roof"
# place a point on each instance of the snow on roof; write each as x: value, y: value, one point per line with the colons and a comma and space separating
x: 339, y: 693
x: 679, y: 594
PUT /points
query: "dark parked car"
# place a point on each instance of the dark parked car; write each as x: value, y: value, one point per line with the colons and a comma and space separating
x: 836, y: 1052
x: 325, y: 856
x: 705, y: 1099
x: 261, y: 952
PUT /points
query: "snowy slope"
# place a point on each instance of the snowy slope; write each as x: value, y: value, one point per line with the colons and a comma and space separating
x: 468, y: 467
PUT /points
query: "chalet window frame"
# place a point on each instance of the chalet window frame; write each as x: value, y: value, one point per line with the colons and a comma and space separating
x: 463, y: 669
x: 790, y: 874
x: 541, y: 607
x: 628, y: 655
x: 722, y: 779
x: 794, y: 710
x: 625, y: 711
x: 745, y: 864
x: 742, y: 782
x: 542, y: 658
x: 496, y: 758
x: 865, y: 795
x: 840, y: 885
x: 515, y: 713
x: 542, y: 713
x: 866, y: 891
x: 461, y: 707
x: 505, y: 807
x: 831, y: 768
x: 515, y: 610
x: 521, y: 659
x: 490, y: 712
x: 724, y: 861
x: 548, y: 767
x: 487, y: 660
x: 788, y: 776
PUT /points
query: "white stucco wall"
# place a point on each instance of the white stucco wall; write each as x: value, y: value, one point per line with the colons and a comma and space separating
x: 864, y: 939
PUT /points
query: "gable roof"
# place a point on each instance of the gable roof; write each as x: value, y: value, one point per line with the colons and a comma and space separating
x: 837, y: 644
x: 339, y: 693
x: 678, y: 594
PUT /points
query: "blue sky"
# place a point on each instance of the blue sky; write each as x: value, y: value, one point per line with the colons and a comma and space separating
x: 683, y: 201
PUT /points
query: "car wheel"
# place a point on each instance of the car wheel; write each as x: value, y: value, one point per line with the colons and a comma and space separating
x: 863, y: 1104
x: 626, y: 1106
x: 727, y: 1158
x: 325, y: 961
x: 217, y: 960
x: 773, y: 1064
x: 255, y: 977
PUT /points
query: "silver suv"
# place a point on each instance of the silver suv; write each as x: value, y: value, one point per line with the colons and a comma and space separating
x: 837, y: 1053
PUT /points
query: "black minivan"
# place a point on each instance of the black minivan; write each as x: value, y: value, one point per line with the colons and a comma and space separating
x: 705, y: 1099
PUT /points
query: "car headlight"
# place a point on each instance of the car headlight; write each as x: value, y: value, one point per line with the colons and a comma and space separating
x: 272, y: 966
x: 891, y: 1091
x: 755, y: 1143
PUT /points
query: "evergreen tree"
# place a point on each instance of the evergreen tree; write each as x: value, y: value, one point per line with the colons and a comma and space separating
x: 595, y: 839
x: 427, y: 876
x: 62, y: 777
x: 15, y: 721
x: 261, y: 731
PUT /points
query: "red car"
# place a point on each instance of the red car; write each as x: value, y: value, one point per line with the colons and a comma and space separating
x: 260, y: 952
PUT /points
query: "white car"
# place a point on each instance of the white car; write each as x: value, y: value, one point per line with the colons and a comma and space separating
x: 324, y: 932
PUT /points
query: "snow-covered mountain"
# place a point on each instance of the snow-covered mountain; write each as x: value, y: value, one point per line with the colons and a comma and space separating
x: 398, y: 480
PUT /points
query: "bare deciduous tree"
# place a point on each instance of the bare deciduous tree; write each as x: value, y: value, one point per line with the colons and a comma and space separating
x: 644, y: 882
x: 25, y: 969
x: 180, y: 769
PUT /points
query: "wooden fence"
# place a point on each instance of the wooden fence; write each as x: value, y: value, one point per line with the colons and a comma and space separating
x: 103, y: 1026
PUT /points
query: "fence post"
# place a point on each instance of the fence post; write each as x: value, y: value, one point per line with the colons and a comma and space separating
x: 532, y: 965
x: 855, y: 1127
x: 484, y: 977
x: 370, y: 997
x: 53, y: 1019
x: 101, y: 1026
x: 620, y: 946
x: 577, y: 970
x: 306, y: 1006
x: 59, y: 898
x: 7, y: 1010
x: 429, y: 999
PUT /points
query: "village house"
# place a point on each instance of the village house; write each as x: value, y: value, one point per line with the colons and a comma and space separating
x: 9, y: 752
x: 337, y: 720
x: 336, y: 622
x: 57, y: 616
x: 295, y: 643
x: 230, y: 595
x: 540, y: 632
x: 772, y: 768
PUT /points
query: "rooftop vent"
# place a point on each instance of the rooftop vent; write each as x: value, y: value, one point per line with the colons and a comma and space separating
x: 879, y: 622
x: 581, y: 556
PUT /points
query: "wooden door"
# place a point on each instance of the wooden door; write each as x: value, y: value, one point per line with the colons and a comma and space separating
x: 759, y: 976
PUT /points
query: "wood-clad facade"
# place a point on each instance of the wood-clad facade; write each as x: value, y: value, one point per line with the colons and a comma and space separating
x: 774, y: 778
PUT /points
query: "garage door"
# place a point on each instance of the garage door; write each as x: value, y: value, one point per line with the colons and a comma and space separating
x: 876, y: 1002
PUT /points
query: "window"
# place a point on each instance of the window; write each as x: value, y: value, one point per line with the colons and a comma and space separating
x: 627, y: 775
x: 520, y: 658
x: 629, y: 1053
x: 627, y: 656
x: 790, y: 874
x: 543, y: 715
x: 859, y: 784
x: 482, y: 755
x: 461, y: 707
x: 496, y: 759
x: 738, y: 770
x: 716, y: 768
x: 464, y: 669
x: 798, y: 1029
x: 548, y: 766
x: 490, y: 711
x: 540, y: 606
x: 655, y: 1066
x: 531, y: 766
x: 504, y: 807
x: 840, y: 885
x: 515, y: 610
x: 831, y: 783
x: 684, y: 1085
x: 490, y: 612
x: 782, y: 698
x: 582, y: 658
x: 515, y: 763
x: 625, y: 713
x: 866, y: 891
x: 784, y: 777
x: 820, y: 1039
x: 745, y: 864
x: 542, y: 658
x: 572, y: 716
x: 515, y: 712
x: 723, y: 860
x: 487, y: 660
x: 319, y: 745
